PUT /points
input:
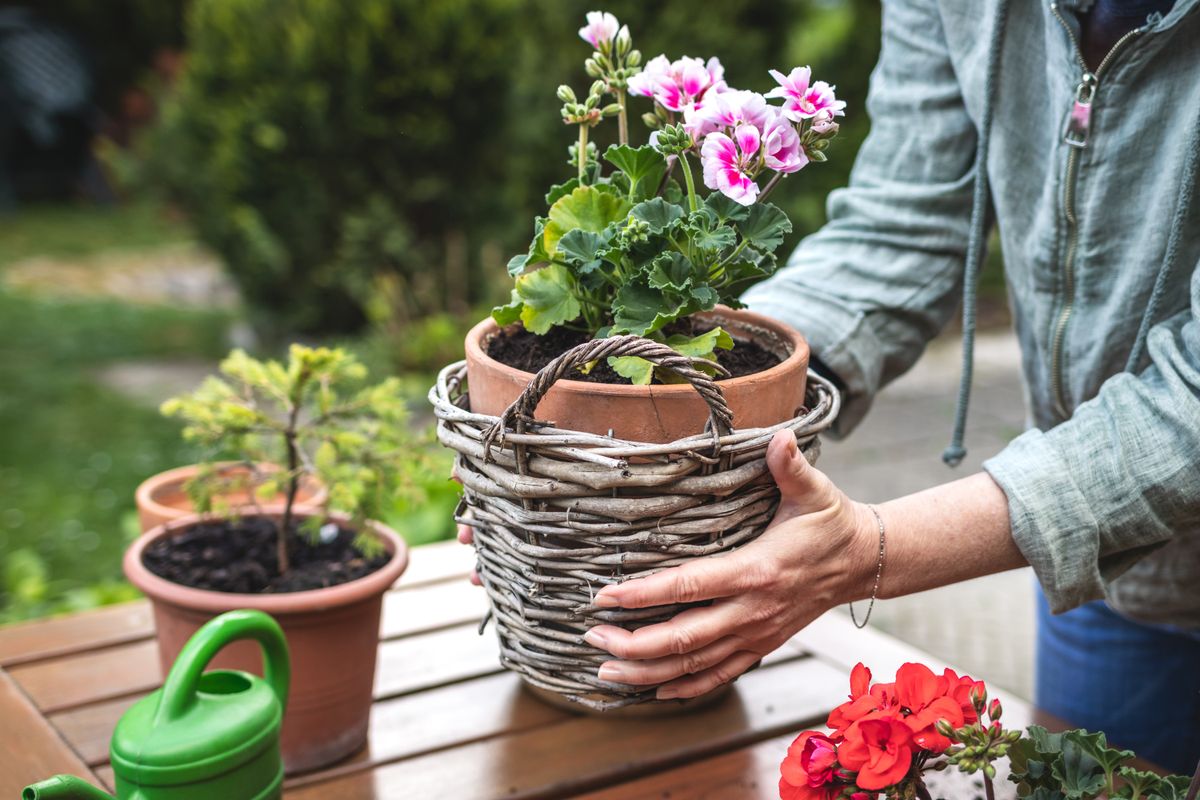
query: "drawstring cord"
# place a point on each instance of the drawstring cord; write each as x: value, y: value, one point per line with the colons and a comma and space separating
x: 1178, y: 223
x: 976, y: 241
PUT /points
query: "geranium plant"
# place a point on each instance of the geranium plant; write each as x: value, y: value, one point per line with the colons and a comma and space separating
x: 624, y: 247
x: 887, y: 736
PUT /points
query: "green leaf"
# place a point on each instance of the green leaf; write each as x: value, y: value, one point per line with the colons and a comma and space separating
x: 714, y: 240
x: 703, y: 298
x: 703, y: 346
x: 1173, y: 787
x: 644, y: 166
x: 583, y: 248
x: 671, y: 271
x: 536, y: 254
x: 765, y: 226
x: 509, y: 313
x: 516, y: 264
x: 657, y: 213
x: 586, y: 208
x: 641, y: 309
x: 548, y: 298
x: 724, y: 209
x: 1079, y: 774
x: 560, y: 190
x: 1096, y: 746
x: 639, y: 371
x: 1138, y: 783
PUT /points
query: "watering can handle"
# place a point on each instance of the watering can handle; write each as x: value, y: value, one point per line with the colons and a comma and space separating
x: 179, y: 690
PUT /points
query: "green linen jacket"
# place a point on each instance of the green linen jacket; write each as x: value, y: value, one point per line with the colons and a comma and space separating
x: 1101, y: 240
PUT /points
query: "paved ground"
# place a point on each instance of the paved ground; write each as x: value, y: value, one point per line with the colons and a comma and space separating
x: 983, y: 626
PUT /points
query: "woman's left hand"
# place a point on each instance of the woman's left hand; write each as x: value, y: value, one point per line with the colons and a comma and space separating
x: 819, y: 551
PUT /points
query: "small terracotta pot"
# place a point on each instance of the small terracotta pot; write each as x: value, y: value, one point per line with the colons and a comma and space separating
x: 332, y: 634
x: 652, y: 413
x: 162, y: 497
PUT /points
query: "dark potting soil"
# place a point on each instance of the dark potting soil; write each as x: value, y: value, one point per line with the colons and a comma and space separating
x: 526, y: 351
x: 239, y: 556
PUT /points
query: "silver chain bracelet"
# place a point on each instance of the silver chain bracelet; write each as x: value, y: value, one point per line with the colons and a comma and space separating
x: 878, y: 574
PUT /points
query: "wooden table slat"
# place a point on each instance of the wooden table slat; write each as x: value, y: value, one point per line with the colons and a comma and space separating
x: 588, y: 752
x: 30, y: 748
x: 32, y: 641
x: 431, y: 567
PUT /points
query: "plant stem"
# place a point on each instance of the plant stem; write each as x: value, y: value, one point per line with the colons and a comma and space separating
x: 691, y: 185
x: 289, y: 437
x: 582, y: 154
x: 988, y: 789
x: 622, y: 119
x: 923, y: 792
x: 771, y: 184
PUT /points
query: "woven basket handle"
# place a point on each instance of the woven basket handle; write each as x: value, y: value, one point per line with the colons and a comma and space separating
x: 522, y: 410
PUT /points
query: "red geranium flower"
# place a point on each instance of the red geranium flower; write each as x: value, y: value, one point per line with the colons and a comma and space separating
x: 879, y: 749
x: 807, y: 771
x: 923, y: 696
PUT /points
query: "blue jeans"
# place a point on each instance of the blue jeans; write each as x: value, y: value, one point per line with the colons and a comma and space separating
x: 1140, y: 684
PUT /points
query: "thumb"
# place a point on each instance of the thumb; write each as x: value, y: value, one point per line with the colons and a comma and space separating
x: 805, y: 489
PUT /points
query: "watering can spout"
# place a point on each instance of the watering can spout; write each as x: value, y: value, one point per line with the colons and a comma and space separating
x: 63, y: 787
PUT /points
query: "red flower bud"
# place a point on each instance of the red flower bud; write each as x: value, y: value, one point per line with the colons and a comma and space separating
x: 995, y: 709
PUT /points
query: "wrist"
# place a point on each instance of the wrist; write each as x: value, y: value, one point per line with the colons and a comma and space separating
x: 861, y: 555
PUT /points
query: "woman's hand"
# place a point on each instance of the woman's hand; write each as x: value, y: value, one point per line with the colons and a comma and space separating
x: 819, y: 551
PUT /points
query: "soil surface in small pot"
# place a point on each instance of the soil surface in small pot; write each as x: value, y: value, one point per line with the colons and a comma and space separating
x: 527, y: 351
x: 239, y: 556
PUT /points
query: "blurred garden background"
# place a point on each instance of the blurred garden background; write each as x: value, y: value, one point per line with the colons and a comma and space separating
x: 183, y: 176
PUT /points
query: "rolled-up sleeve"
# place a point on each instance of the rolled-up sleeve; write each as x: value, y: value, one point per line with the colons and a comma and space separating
x: 882, y: 277
x: 1118, y: 479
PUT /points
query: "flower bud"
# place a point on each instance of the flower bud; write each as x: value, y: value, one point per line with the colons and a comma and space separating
x: 634, y: 58
x: 566, y: 94
x: 990, y: 771
x: 944, y: 727
x: 592, y: 68
x: 623, y: 42
x: 593, y: 101
x: 995, y: 709
x: 652, y: 121
x: 978, y: 695
x: 611, y: 110
x: 596, y: 90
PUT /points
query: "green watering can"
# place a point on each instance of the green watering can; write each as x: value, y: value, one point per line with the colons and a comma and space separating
x: 203, y: 735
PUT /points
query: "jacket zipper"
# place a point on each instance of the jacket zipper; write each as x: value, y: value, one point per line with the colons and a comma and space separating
x: 1076, y: 137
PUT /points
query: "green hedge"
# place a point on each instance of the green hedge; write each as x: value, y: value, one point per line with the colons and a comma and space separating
x: 318, y: 144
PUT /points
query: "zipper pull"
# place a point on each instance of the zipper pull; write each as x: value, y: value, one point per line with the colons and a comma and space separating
x: 1080, y: 119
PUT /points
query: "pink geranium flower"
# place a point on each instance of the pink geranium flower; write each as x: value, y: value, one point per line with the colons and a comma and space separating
x: 781, y: 146
x: 727, y: 109
x: 729, y: 164
x: 600, y: 30
x: 803, y: 98
x: 678, y: 85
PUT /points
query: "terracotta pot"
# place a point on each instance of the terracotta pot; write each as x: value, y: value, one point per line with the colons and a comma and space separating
x: 652, y: 413
x: 162, y: 497
x: 332, y: 634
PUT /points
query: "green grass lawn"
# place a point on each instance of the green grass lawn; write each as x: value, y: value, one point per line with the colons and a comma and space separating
x: 74, y: 231
x: 73, y: 451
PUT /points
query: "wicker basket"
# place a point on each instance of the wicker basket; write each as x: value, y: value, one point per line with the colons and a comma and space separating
x: 558, y: 514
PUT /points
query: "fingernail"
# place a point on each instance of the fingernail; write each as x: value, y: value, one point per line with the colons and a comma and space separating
x: 595, y: 639
x: 667, y: 693
x: 611, y: 672
x: 603, y: 600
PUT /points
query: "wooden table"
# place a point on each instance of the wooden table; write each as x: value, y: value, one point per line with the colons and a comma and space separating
x: 447, y: 721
